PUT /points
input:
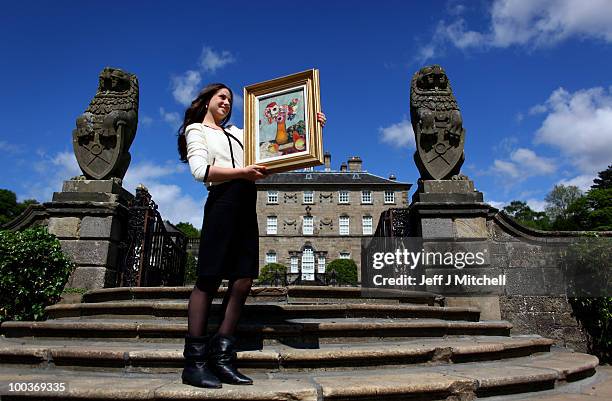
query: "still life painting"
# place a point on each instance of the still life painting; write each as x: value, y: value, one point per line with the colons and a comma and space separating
x: 282, y: 124
x: 281, y: 129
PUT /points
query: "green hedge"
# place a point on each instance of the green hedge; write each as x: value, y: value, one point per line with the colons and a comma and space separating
x: 191, y: 270
x: 33, y: 273
x: 266, y: 274
x: 346, y: 271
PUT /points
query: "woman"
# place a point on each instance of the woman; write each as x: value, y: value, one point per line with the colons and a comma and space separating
x: 229, y: 244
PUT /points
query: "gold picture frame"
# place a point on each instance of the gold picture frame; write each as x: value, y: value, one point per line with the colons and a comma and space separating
x: 281, y: 130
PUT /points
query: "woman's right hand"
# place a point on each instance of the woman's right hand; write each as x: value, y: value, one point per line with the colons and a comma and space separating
x: 254, y: 172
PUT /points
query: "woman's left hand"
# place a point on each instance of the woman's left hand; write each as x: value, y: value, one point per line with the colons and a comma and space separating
x: 321, y: 118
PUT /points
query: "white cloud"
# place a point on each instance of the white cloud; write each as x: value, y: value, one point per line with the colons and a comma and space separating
x: 186, y: 86
x: 537, y: 205
x: 146, y: 121
x: 524, y: 163
x: 399, y: 135
x: 52, y: 172
x: 172, y: 118
x: 211, y: 61
x: 537, y: 109
x: 10, y: 148
x: 583, y: 182
x: 531, y: 23
x: 495, y: 204
x: 173, y: 203
x: 579, y: 124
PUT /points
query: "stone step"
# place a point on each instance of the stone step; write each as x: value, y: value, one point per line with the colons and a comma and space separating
x: 142, y: 356
x: 294, y: 332
x: 290, y: 294
x: 444, y: 382
x: 263, y: 311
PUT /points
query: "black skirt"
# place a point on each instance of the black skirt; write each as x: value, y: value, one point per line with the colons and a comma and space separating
x: 229, y: 243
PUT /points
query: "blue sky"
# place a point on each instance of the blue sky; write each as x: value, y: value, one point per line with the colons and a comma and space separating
x: 532, y: 79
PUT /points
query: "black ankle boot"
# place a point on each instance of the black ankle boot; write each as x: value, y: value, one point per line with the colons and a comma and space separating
x: 221, y: 361
x: 196, y: 372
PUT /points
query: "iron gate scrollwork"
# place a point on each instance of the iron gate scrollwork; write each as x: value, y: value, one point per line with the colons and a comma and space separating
x: 153, y: 256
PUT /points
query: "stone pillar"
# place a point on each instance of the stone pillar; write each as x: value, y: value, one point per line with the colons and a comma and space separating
x: 90, y: 219
x: 453, y: 210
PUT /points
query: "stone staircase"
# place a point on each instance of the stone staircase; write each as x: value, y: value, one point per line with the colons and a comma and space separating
x: 297, y: 343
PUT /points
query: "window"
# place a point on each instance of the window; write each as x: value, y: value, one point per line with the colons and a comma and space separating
x: 389, y: 197
x: 321, y: 264
x: 344, y: 225
x: 343, y: 196
x: 345, y: 255
x: 308, y: 225
x: 308, y: 197
x: 272, y: 196
x: 308, y: 264
x: 366, y: 196
x: 271, y: 257
x: 271, y: 225
x: 366, y: 223
x: 294, y: 264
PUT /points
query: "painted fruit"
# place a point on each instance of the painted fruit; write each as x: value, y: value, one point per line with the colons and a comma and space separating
x: 300, y: 144
x: 295, y: 135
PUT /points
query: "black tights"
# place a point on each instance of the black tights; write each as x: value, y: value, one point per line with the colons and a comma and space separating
x: 201, y: 300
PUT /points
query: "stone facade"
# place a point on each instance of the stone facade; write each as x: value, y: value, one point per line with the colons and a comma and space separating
x: 309, y: 207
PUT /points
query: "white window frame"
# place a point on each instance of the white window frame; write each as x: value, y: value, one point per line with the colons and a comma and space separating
x: 389, y: 197
x: 341, y: 199
x: 366, y: 224
x: 294, y: 264
x: 271, y: 257
x: 308, y: 264
x: 272, y: 225
x: 308, y: 197
x: 273, y: 197
x: 321, y: 262
x: 344, y: 225
x: 366, y: 197
x: 345, y: 255
x: 308, y: 228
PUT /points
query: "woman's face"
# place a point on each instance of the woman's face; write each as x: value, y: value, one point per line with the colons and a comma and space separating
x: 220, y: 104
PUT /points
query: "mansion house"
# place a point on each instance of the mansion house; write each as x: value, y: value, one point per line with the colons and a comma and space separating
x: 308, y: 218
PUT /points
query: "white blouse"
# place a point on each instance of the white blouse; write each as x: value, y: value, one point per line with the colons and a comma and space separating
x: 211, y: 147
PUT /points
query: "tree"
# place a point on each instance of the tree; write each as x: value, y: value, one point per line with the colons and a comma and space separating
x: 9, y: 207
x: 559, y: 200
x: 188, y: 229
x: 604, y: 179
x: 526, y: 216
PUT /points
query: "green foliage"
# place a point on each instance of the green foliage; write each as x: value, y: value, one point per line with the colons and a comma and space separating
x: 191, y: 269
x: 267, y: 273
x: 522, y: 213
x: 9, y: 207
x: 33, y: 273
x: 346, y: 271
x: 595, y: 314
x: 188, y: 229
x: 559, y: 200
x: 604, y: 179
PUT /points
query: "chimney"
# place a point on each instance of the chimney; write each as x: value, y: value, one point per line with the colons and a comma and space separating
x: 354, y: 164
x: 327, y: 160
x: 343, y: 168
x: 392, y: 177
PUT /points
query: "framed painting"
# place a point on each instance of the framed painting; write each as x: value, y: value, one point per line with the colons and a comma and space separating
x: 281, y: 130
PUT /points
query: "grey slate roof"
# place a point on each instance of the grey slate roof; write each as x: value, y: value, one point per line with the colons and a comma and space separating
x: 329, y: 178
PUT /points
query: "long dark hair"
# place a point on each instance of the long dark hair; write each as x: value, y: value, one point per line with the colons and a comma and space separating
x: 196, y: 112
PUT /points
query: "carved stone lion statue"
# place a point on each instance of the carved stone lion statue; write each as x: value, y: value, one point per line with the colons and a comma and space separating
x: 105, y: 131
x: 437, y: 125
